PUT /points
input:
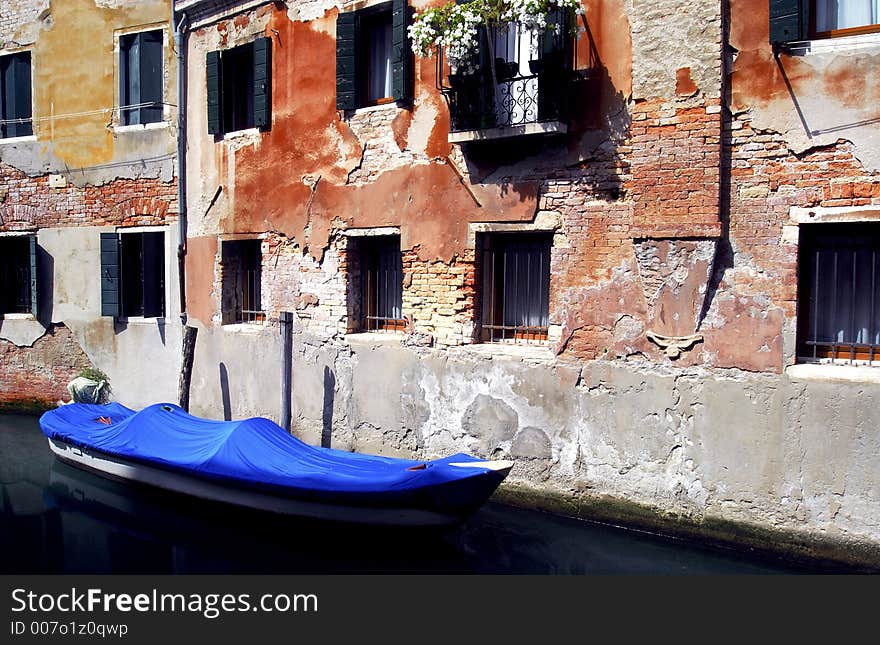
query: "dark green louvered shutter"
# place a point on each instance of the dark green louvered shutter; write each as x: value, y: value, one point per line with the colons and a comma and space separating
x: 109, y: 274
x: 789, y: 20
x: 263, y: 83
x: 16, y: 107
x: 154, y: 274
x: 213, y: 74
x: 33, y: 253
x: 151, y: 76
x: 346, y: 60
x: 402, y: 61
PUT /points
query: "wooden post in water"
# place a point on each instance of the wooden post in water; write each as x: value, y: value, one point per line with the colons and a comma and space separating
x: 286, y: 319
x: 189, y: 347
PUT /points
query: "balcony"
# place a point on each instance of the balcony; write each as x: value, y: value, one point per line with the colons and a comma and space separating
x: 517, y: 85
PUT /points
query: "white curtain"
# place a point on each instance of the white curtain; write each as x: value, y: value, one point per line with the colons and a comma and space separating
x: 844, y: 14
x: 380, y: 54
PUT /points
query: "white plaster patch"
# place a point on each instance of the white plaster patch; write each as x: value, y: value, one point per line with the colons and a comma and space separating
x: 21, y: 332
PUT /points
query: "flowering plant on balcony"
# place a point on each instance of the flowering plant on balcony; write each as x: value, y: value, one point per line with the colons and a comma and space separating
x: 454, y: 27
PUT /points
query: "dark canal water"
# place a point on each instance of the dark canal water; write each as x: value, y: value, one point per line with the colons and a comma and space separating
x: 58, y: 519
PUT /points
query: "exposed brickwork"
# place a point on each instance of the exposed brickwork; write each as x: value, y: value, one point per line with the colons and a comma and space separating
x: 41, y: 372
x: 28, y: 203
x: 439, y: 298
x: 675, y: 169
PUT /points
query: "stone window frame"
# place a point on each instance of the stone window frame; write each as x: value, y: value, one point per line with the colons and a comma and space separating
x: 827, y: 369
x: 261, y: 320
x: 116, y: 121
x: 356, y: 333
x: 34, y: 119
x: 166, y: 267
x: 21, y: 234
x: 549, y: 222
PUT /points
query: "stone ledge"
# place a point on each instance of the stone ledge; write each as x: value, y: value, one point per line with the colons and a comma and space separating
x: 829, y: 372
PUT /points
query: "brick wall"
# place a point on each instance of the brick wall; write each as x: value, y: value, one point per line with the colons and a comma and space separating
x: 40, y: 373
x: 28, y: 203
x: 675, y: 169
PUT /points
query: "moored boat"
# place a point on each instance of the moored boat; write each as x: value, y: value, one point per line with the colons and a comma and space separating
x: 255, y: 463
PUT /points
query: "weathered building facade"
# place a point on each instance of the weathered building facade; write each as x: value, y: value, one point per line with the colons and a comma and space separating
x: 88, y: 198
x: 641, y: 261
x: 674, y: 190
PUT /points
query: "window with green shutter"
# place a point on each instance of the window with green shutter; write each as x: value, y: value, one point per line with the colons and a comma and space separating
x: 16, y: 118
x: 799, y: 20
x: 18, y: 274
x: 140, y: 77
x: 239, y: 87
x: 133, y: 274
x: 374, y: 62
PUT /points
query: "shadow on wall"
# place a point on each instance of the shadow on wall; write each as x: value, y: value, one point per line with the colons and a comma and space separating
x: 224, y: 392
x: 46, y: 282
x: 327, y: 413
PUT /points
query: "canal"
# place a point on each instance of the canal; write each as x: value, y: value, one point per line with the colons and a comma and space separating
x: 58, y: 519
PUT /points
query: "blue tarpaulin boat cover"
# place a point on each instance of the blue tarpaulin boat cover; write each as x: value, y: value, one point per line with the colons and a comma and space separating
x: 252, y: 450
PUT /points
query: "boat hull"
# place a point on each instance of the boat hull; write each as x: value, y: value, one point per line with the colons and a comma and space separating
x: 445, y: 506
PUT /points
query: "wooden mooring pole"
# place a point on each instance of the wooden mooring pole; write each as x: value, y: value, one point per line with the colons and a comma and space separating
x: 186, y: 365
x: 286, y: 319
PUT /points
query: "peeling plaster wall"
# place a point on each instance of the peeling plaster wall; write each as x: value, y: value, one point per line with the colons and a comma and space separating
x: 813, y: 100
x: 667, y: 212
x: 106, y: 178
x: 75, y: 88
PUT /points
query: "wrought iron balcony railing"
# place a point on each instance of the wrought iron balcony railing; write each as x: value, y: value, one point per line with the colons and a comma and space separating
x: 516, y: 78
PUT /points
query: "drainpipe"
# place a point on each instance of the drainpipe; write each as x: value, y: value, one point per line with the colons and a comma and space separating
x: 180, y: 34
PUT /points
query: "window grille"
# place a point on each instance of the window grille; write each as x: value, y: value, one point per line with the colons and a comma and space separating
x: 839, y: 292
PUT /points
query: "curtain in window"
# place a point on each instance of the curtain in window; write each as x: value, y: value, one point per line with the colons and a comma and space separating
x: 845, y: 14
x: 380, y: 62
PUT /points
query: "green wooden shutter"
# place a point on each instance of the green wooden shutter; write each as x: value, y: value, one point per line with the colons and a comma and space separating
x: 346, y: 60
x: 16, y: 82
x: 151, y: 76
x: 263, y: 83
x: 109, y: 274
x: 33, y: 252
x: 402, y: 62
x: 789, y: 20
x: 214, y: 71
x: 154, y: 274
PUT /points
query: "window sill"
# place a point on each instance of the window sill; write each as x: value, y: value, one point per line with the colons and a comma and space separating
x: 374, y: 108
x: 141, y: 127
x: 245, y: 328
x: 534, y: 353
x: 376, y: 338
x: 526, y: 129
x: 25, y: 139
x: 832, y: 372
x: 241, y: 134
x: 12, y: 316
x: 834, y: 45
x: 141, y: 320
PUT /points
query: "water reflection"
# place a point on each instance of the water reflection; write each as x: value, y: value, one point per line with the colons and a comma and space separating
x: 59, y: 519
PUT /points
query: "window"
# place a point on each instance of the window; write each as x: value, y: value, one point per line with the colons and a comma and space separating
x: 15, y: 95
x: 18, y: 274
x: 517, y: 77
x: 798, y: 20
x: 239, y: 87
x: 377, y: 267
x: 140, y: 77
x: 373, y: 56
x: 839, y: 292
x: 241, y: 278
x: 845, y: 17
x: 133, y: 274
x: 515, y: 279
